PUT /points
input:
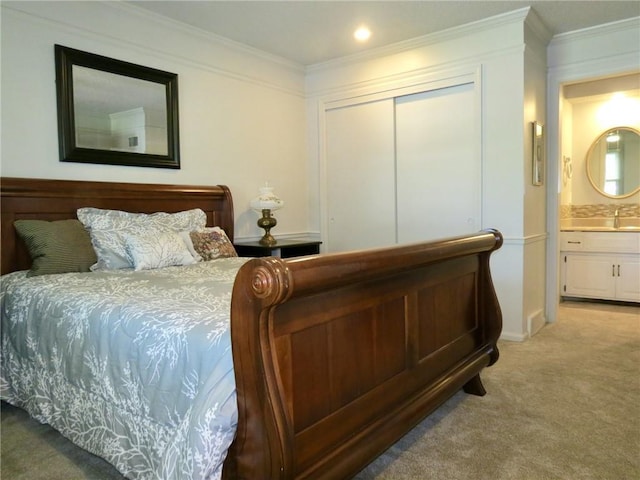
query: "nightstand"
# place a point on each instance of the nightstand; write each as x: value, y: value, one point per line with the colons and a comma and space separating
x: 284, y: 248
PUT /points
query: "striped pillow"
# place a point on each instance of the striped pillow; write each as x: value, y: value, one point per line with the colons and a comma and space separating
x: 60, y: 246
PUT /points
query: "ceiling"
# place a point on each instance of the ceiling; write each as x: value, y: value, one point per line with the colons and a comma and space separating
x: 311, y: 32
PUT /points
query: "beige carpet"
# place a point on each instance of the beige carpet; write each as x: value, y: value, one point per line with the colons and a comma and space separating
x: 564, y: 405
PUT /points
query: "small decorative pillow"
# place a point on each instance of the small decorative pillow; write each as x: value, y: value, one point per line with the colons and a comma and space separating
x: 109, y: 228
x: 60, y: 246
x: 157, y: 250
x: 210, y: 243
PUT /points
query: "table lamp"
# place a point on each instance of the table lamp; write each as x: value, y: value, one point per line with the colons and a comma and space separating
x: 266, y: 203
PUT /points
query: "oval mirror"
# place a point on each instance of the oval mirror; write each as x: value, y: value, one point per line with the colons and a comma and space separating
x: 613, y: 162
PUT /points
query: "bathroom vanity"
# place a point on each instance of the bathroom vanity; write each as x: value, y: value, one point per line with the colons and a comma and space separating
x: 600, y: 263
x: 600, y: 242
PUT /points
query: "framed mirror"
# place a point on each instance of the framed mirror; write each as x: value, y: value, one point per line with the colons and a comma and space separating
x: 613, y: 162
x: 115, y: 112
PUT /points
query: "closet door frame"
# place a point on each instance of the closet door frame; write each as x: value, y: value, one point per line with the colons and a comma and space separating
x: 390, y: 88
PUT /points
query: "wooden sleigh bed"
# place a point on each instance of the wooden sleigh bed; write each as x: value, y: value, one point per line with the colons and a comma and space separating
x: 335, y: 356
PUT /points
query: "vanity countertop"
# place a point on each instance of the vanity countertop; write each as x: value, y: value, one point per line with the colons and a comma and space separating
x: 600, y: 224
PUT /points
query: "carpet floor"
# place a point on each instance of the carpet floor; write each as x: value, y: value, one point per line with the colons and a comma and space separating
x: 564, y: 405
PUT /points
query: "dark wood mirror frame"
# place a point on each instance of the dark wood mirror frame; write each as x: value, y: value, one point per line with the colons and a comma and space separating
x: 65, y: 59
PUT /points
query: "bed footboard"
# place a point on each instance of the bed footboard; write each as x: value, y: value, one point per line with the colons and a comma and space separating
x: 337, y: 356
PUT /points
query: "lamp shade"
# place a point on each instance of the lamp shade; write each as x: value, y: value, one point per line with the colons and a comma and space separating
x: 267, y: 200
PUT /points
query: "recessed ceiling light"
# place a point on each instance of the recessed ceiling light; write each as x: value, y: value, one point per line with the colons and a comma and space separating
x: 362, y: 34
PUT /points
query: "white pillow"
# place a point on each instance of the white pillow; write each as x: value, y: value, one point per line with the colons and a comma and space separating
x: 186, y: 238
x: 109, y: 228
x: 154, y: 250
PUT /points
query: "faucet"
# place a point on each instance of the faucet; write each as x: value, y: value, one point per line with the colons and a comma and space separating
x: 616, y: 219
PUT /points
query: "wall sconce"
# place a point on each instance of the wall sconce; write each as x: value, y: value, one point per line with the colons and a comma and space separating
x: 267, y: 202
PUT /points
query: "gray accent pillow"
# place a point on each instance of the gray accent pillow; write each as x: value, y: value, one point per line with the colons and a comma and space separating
x: 59, y: 246
x: 109, y: 230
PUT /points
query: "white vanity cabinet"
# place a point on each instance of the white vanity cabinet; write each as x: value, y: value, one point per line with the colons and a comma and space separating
x: 603, y: 265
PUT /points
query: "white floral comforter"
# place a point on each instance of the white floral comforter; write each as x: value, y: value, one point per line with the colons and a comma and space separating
x: 135, y: 367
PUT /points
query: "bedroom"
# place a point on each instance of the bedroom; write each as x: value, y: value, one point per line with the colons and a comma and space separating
x: 274, y: 102
x: 244, y: 111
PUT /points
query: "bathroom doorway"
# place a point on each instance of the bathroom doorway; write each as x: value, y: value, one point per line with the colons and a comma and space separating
x: 599, y: 189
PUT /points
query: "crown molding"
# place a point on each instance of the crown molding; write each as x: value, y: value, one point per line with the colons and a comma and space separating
x: 25, y: 10
x: 425, y: 40
x: 207, y: 36
x: 537, y: 26
x: 632, y: 24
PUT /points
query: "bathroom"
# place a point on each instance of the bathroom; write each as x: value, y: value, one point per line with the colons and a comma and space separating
x: 600, y: 190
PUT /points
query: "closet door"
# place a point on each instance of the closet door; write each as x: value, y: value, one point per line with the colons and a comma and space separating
x: 360, y: 176
x: 438, y: 160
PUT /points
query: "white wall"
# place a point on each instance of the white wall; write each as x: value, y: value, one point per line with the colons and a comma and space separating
x: 495, y: 48
x: 607, y: 50
x: 242, y: 112
x: 534, y: 218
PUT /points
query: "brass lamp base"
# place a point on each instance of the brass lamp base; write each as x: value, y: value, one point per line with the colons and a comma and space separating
x: 267, y: 222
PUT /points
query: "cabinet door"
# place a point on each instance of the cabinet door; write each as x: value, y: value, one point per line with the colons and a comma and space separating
x: 628, y: 279
x: 361, y: 198
x: 589, y: 275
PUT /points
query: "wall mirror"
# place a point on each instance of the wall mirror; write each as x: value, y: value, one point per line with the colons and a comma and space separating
x: 115, y: 112
x: 613, y: 162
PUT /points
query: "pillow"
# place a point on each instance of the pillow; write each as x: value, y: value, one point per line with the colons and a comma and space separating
x: 157, y: 250
x: 60, y: 246
x: 109, y: 228
x: 209, y: 244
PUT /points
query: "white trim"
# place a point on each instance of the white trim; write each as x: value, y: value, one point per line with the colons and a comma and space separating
x: 535, y: 322
x: 387, y: 88
x: 563, y: 70
x: 537, y: 27
x: 205, y: 35
x: 382, y: 89
x: 409, y: 77
x: 597, y: 31
x: 528, y: 240
x: 513, y: 337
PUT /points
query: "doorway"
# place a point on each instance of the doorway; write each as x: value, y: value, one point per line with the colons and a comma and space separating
x: 589, y: 108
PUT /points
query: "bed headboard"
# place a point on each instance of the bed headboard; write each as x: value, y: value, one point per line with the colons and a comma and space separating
x: 28, y: 198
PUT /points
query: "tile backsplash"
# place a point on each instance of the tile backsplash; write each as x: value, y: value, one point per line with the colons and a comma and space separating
x: 600, y: 210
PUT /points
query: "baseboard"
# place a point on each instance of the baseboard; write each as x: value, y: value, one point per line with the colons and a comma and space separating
x: 513, y: 337
x: 535, y: 322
